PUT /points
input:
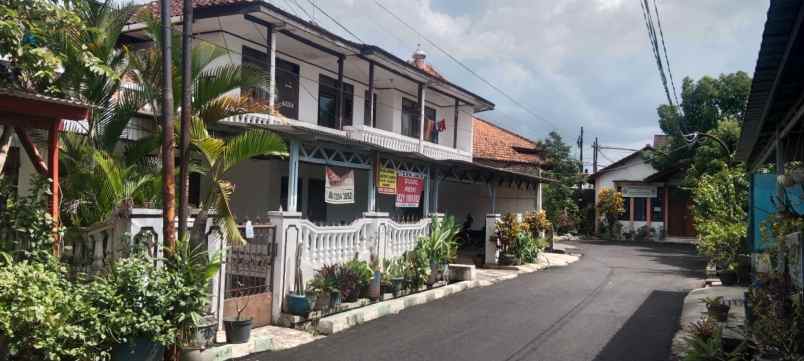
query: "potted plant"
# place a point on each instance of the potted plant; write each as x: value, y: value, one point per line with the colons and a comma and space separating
x: 238, y: 330
x: 297, y: 302
x: 133, y: 305
x: 439, y: 247
x: 375, y: 284
x: 324, y: 286
x: 394, y: 276
x: 353, y: 277
x: 191, y: 269
x: 508, y: 228
x: 716, y: 309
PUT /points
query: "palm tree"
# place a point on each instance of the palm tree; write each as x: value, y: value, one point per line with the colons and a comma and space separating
x: 217, y: 157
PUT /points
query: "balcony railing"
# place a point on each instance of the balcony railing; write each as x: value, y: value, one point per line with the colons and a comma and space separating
x: 400, y: 143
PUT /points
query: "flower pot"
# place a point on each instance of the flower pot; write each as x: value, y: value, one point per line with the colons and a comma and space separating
x: 237, y: 331
x: 298, y: 305
x: 334, y: 299
x: 374, y: 286
x: 433, y: 277
x: 445, y: 272
x: 719, y: 312
x: 323, y: 301
x: 478, y: 260
x: 507, y: 259
x: 396, y: 286
x: 727, y: 277
x: 138, y: 349
x: 3, y: 348
x: 196, y: 354
x: 205, y: 332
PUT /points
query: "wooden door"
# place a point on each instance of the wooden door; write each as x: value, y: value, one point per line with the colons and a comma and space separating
x: 679, y: 218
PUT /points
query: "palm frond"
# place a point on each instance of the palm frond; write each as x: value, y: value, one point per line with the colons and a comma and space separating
x: 217, y: 81
x: 224, y: 212
x: 227, y: 106
x: 250, y: 144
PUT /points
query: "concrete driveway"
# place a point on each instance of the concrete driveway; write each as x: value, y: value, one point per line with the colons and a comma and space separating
x: 620, y: 302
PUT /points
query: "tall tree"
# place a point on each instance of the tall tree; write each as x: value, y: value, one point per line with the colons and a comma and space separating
x: 559, y: 198
x: 705, y: 104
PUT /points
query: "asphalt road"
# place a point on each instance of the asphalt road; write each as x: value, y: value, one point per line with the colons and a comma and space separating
x: 620, y: 302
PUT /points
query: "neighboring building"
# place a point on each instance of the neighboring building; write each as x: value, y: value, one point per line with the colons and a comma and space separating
x: 496, y: 149
x: 773, y: 130
x: 652, y: 198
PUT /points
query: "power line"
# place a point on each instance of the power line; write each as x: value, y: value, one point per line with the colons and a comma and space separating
x: 646, y: 15
x: 466, y: 67
x: 666, y: 57
x: 335, y: 21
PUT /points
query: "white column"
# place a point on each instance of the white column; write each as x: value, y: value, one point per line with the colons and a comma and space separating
x: 436, y: 184
x: 284, y: 266
x: 371, y: 201
x: 293, y: 176
x: 272, y: 64
x: 491, y: 238
x: 539, y: 203
x: 426, y: 195
x: 422, y: 101
x: 493, y: 196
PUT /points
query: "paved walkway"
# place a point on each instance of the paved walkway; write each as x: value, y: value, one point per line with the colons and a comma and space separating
x: 621, y: 301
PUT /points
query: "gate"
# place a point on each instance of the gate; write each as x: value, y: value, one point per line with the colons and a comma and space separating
x: 249, y: 274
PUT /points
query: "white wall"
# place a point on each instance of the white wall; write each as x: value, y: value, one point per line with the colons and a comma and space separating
x: 389, y: 102
x: 459, y: 199
x: 258, y: 190
x: 634, y: 170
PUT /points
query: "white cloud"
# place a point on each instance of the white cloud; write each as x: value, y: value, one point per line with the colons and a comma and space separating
x: 575, y: 62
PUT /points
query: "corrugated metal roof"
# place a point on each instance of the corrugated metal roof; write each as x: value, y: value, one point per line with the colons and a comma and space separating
x: 778, y: 79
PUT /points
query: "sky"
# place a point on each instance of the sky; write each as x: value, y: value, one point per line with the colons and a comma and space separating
x: 571, y: 62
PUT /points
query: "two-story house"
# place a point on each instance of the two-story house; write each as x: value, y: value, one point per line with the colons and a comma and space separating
x: 354, y: 112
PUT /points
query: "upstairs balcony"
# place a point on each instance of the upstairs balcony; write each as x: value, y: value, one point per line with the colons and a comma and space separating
x: 403, y: 144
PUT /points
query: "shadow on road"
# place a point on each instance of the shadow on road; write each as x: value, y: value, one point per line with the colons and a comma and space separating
x: 648, y: 330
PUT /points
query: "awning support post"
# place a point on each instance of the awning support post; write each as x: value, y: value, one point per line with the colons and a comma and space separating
x: 293, y: 176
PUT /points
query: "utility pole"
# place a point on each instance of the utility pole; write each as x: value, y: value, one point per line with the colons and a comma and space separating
x: 595, y: 147
x: 186, y: 114
x: 580, y: 149
x: 168, y: 152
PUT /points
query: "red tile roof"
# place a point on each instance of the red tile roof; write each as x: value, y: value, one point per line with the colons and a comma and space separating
x: 429, y: 69
x: 492, y: 142
x: 177, y: 6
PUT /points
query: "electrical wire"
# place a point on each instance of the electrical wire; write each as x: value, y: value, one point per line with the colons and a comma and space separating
x: 336, y: 21
x: 666, y: 56
x: 467, y: 68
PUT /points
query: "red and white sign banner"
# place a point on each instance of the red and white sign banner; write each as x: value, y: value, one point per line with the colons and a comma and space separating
x: 409, y: 187
x: 340, y: 186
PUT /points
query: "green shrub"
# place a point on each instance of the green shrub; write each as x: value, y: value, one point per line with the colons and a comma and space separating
x: 190, y: 269
x: 416, y: 268
x: 527, y: 247
x: 720, y: 217
x: 135, y: 299
x: 47, y: 317
x: 26, y: 226
x: 441, y: 245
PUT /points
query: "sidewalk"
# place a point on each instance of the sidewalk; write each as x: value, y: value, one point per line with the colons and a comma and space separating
x: 694, y: 309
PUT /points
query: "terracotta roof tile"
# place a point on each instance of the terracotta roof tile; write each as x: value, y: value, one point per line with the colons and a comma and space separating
x: 178, y: 5
x: 492, y: 142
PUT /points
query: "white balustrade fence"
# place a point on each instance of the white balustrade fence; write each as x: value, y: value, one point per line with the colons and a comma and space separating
x: 375, y: 234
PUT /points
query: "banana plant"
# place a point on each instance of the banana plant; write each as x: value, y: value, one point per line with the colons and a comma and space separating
x: 217, y: 156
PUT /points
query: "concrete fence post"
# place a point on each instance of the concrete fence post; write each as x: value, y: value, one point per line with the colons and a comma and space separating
x: 491, y: 238
x: 377, y: 233
x: 287, y: 238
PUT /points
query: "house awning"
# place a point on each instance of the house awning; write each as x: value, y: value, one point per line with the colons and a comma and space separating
x: 776, y: 102
x: 309, y: 132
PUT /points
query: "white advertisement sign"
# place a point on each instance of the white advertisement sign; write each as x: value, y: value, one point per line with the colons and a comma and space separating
x: 339, y: 186
x: 639, y: 191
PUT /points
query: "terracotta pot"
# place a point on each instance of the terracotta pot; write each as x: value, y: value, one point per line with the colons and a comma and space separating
x: 719, y: 312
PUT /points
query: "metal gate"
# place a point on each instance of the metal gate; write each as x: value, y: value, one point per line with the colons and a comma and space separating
x: 248, y: 276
